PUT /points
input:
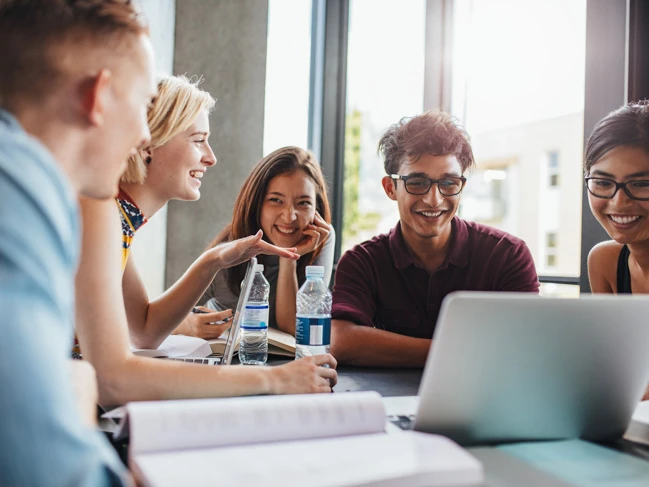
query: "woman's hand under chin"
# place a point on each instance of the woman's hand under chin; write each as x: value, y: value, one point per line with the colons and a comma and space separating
x: 315, y: 235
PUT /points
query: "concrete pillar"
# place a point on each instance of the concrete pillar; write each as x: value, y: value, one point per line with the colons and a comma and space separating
x: 225, y: 42
x: 149, y: 246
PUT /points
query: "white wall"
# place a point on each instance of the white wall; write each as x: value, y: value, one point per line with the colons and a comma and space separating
x: 149, y: 246
x: 537, y: 208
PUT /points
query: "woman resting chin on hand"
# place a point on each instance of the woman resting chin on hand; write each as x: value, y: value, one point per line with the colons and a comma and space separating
x: 285, y: 196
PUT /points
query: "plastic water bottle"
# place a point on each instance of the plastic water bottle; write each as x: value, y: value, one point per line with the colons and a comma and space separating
x: 313, y: 317
x: 253, y: 345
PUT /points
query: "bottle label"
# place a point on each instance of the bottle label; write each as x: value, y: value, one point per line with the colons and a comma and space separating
x: 255, y: 317
x: 313, y: 331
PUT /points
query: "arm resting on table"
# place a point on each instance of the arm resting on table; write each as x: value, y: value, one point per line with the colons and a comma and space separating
x: 353, y: 344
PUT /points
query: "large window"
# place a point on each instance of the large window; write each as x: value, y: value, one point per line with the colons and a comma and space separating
x: 518, y: 86
x: 385, y: 81
x: 517, y: 76
x: 288, y: 64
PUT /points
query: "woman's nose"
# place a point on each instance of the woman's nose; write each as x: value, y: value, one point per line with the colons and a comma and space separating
x: 289, y: 214
x: 621, y: 199
x: 209, y: 158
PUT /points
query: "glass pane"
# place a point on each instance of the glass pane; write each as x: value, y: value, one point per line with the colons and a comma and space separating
x: 550, y: 289
x: 385, y: 81
x: 288, y: 65
x: 518, y: 86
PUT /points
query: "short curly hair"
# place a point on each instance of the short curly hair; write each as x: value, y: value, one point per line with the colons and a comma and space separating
x: 435, y: 132
x: 627, y: 126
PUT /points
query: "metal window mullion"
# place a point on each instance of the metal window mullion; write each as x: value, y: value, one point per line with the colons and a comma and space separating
x: 327, y: 106
x: 605, y: 90
x: 559, y: 280
x: 438, y: 55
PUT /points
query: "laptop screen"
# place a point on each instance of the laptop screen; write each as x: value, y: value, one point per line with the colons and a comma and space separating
x: 246, y: 285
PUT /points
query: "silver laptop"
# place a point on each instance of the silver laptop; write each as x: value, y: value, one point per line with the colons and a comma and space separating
x: 233, y: 333
x: 246, y: 286
x: 512, y: 367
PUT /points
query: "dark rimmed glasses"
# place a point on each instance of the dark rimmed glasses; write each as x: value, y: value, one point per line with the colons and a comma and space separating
x: 419, y: 185
x: 608, y: 188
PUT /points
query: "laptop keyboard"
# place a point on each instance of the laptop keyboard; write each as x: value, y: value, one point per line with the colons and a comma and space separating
x: 204, y: 361
x: 403, y: 422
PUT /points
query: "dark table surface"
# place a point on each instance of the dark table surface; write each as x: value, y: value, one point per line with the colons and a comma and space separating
x: 387, y: 382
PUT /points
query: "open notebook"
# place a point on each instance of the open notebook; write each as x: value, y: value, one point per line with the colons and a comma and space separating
x: 279, y: 343
x: 315, y: 440
x: 178, y: 346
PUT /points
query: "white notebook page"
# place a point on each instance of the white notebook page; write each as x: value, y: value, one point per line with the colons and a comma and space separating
x: 408, y: 460
x: 178, y: 425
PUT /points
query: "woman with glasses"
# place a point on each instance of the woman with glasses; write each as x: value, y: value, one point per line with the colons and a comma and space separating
x: 616, y: 165
x: 113, y: 309
x: 285, y: 196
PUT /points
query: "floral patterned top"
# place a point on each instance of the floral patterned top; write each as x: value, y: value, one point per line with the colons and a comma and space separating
x: 132, y: 219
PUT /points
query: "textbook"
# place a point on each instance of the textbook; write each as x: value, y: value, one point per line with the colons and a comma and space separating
x: 310, y: 439
x: 279, y: 343
x: 178, y: 346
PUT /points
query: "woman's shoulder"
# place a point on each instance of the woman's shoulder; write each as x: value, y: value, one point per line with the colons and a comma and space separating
x: 602, y: 266
x: 604, y: 252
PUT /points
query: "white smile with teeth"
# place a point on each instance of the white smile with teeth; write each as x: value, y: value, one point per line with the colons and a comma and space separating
x: 431, y: 214
x: 286, y: 231
x: 196, y: 174
x: 623, y: 220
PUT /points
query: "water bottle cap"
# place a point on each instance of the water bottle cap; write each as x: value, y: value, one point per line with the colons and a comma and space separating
x: 259, y: 268
x: 315, y: 271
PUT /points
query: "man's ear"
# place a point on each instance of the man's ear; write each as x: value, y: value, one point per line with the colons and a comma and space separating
x: 95, y: 97
x: 389, y: 187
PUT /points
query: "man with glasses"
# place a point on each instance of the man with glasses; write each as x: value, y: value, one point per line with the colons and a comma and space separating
x: 388, y: 290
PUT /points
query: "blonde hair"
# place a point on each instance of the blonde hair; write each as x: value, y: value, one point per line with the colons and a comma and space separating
x: 176, y: 107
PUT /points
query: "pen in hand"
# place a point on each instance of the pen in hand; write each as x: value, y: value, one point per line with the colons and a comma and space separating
x: 199, y: 311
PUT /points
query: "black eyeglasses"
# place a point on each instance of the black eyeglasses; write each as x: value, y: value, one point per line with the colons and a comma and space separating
x: 608, y: 188
x: 449, y: 186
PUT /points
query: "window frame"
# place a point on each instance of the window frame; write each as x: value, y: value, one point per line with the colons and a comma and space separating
x: 615, y: 36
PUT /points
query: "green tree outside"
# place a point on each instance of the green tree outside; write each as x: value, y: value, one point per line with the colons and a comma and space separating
x: 354, y: 221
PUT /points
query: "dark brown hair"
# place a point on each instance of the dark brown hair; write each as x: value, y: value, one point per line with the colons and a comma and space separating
x: 627, y: 126
x: 436, y: 133
x: 32, y: 32
x: 246, y: 216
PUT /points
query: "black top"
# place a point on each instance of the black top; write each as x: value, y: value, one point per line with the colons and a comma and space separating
x: 623, y: 273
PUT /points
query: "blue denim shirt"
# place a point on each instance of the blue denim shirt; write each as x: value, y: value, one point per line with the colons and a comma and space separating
x: 43, y: 441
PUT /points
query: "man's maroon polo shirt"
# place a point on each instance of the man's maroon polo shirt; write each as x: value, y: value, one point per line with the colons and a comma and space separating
x: 379, y: 284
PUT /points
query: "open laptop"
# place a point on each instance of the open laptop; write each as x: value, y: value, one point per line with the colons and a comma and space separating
x: 513, y: 367
x: 233, y: 333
